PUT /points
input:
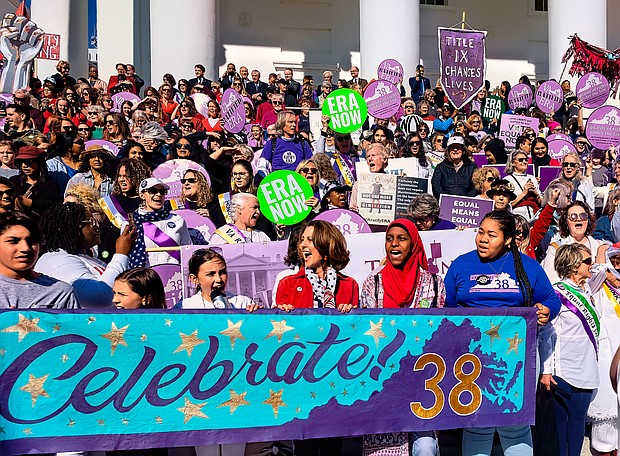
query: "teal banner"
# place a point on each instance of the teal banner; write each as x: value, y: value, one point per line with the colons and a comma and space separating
x: 96, y: 381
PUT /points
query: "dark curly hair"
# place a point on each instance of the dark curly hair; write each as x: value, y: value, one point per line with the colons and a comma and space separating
x: 109, y: 162
x: 136, y: 171
x: 61, y: 227
x: 563, y: 221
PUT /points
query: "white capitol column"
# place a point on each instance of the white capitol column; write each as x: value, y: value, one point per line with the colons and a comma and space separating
x: 389, y: 29
x: 115, y: 35
x: 194, y: 41
x: 567, y: 17
x: 69, y: 19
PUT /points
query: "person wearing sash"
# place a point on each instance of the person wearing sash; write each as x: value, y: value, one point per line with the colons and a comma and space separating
x: 603, y: 410
x: 568, y: 348
x: 244, y: 213
x: 196, y: 195
x: 157, y: 228
x: 496, y: 275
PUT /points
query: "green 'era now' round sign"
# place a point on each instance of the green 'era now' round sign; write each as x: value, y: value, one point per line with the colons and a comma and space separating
x: 346, y: 109
x: 282, y: 195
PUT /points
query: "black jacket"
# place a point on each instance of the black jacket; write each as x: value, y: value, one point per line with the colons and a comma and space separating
x: 448, y: 181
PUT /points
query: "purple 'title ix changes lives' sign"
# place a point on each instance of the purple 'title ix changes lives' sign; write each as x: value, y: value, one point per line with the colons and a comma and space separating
x: 462, y: 60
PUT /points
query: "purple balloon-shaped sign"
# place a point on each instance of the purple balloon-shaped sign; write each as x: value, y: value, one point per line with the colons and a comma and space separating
x: 549, y: 96
x: 346, y: 221
x: 171, y: 172
x: 382, y: 99
x: 172, y: 278
x: 119, y: 98
x: 592, y: 89
x: 391, y: 70
x: 200, y: 228
x: 603, y: 127
x: 233, y: 111
x: 558, y: 148
x: 520, y: 96
x: 556, y: 136
x: 107, y: 145
x: 201, y: 101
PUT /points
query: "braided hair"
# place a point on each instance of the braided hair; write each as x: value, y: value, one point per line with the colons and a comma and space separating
x: 507, y: 225
x: 61, y: 227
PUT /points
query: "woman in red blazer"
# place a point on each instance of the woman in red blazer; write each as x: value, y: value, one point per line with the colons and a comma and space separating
x: 323, y: 252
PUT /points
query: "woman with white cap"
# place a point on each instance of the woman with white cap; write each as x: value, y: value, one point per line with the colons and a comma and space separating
x: 453, y: 176
x: 157, y: 228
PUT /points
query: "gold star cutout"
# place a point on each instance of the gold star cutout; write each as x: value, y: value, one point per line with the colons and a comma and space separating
x: 159, y: 420
x: 414, y: 323
x: 91, y: 320
x: 296, y: 337
x: 513, y: 344
x: 56, y: 327
x: 376, y: 332
x: 235, y: 400
x: 392, y: 366
x: 101, y: 422
x: 23, y: 327
x: 35, y: 387
x: 275, y: 400
x: 116, y: 336
x: 192, y: 410
x: 64, y: 358
x: 363, y: 384
x: 332, y: 384
x: 279, y: 328
x: 189, y: 342
x: 233, y: 332
x: 392, y: 322
x: 493, y: 332
x: 298, y: 409
x: 71, y: 423
x: 430, y: 323
x: 345, y: 393
x: 321, y: 329
x: 28, y: 431
x: 168, y: 322
x: 2, y: 352
x: 125, y: 421
x: 143, y: 338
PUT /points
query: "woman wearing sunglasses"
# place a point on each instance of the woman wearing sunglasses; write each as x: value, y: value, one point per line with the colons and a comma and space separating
x: 569, y: 347
x: 71, y: 233
x: 168, y: 105
x: 213, y: 122
x: 529, y: 199
x: 423, y: 166
x: 576, y: 225
x: 7, y: 195
x: 37, y: 189
x: 309, y: 170
x: 97, y: 170
x: 197, y: 195
x: 582, y: 187
x: 156, y: 228
x: 116, y: 129
x: 186, y: 110
x: 483, y: 178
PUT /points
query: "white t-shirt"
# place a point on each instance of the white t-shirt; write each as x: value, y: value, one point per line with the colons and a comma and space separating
x: 198, y: 302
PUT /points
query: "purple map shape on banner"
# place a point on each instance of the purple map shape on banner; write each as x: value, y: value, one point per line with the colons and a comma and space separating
x: 390, y: 70
x: 201, y: 101
x: 520, y: 96
x: 107, y: 145
x: 346, y: 221
x: 382, y: 98
x: 233, y: 111
x: 592, y: 89
x: 200, y: 228
x: 171, y: 277
x: 558, y: 148
x: 549, y: 97
x: 462, y: 60
x: 603, y: 127
x: 556, y: 136
x: 172, y: 171
x: 547, y: 174
x: 119, y: 98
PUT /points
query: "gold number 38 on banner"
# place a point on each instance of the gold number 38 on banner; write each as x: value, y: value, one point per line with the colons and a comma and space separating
x: 466, y: 383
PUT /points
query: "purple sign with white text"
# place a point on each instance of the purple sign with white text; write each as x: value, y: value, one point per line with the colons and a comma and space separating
x: 200, y: 228
x: 556, y: 136
x: 382, y: 98
x: 171, y: 173
x: 592, y: 89
x: 464, y: 210
x: 558, y: 148
x: 233, y: 111
x: 462, y: 60
x: 121, y: 97
x: 172, y: 278
x: 391, y: 70
x: 520, y: 96
x: 513, y: 126
x: 201, y: 101
x: 603, y: 127
x: 549, y: 97
x: 547, y: 174
x: 347, y: 222
x: 107, y: 145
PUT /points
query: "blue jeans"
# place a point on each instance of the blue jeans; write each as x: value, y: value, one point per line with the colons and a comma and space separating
x: 570, y: 405
x: 516, y: 440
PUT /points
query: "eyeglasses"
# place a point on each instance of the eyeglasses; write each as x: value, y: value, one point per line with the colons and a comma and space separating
x: 189, y: 180
x: 84, y: 129
x: 415, y: 143
x: 581, y: 143
x: 155, y: 191
x: 185, y: 105
x: 473, y: 122
x: 521, y: 160
x: 106, y: 100
x: 9, y: 193
x: 183, y: 146
x: 109, y: 122
x: 92, y: 222
x: 569, y: 165
x: 343, y: 138
x: 581, y: 217
x: 67, y: 128
x: 587, y: 261
x: 409, y: 107
x: 186, y: 126
x: 309, y: 170
x: 272, y: 135
x: 491, y: 179
x: 100, y: 156
x: 519, y: 233
x: 92, y: 113
x: 24, y: 161
x: 236, y: 84
x: 276, y: 102
x: 240, y: 174
x: 438, y: 140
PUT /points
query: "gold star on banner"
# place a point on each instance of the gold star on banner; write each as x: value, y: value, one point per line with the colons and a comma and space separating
x: 2, y: 352
x: 159, y: 420
x: 28, y: 431
x: 23, y: 327
x: 101, y: 422
x: 190, y: 410
x: 71, y: 423
x: 235, y: 400
x: 332, y: 384
x: 189, y: 342
x: 417, y: 338
x: 493, y: 332
x: 34, y: 387
x: 376, y: 332
x: 414, y: 323
x: 56, y: 327
x: 275, y: 400
x: 279, y: 328
x: 143, y: 338
x: 392, y: 322
x: 363, y: 384
x: 116, y: 336
x: 298, y: 409
x: 430, y: 323
x: 64, y: 358
x: 125, y: 421
x: 296, y: 337
x: 513, y: 344
x: 345, y: 393
x: 91, y: 320
x: 168, y: 322
x: 233, y: 332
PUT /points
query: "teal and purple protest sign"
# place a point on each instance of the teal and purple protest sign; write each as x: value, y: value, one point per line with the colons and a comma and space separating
x: 592, y: 89
x: 123, y: 380
x: 462, y: 59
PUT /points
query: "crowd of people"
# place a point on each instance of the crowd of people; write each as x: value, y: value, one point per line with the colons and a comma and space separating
x: 82, y: 227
